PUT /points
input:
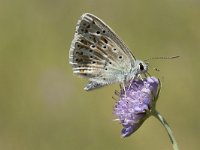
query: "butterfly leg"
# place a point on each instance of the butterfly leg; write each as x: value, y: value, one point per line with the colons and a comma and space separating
x: 123, y: 86
x: 130, y: 83
x: 139, y: 76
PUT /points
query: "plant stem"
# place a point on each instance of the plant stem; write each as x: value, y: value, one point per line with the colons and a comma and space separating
x: 156, y: 114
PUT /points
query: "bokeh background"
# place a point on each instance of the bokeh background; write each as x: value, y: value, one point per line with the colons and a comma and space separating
x: 43, y: 105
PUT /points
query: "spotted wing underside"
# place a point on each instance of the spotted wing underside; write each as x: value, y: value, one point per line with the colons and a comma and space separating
x: 97, y: 53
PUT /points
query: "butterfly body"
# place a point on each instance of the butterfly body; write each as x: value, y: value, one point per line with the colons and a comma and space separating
x: 98, y: 54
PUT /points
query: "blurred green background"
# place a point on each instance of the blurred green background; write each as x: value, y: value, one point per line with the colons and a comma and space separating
x: 43, y: 105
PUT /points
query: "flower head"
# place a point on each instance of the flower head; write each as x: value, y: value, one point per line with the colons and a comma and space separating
x: 136, y: 103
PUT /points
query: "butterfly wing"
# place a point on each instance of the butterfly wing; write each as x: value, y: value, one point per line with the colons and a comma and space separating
x: 97, y: 53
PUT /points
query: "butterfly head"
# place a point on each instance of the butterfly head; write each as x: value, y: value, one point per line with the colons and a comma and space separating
x: 141, y: 67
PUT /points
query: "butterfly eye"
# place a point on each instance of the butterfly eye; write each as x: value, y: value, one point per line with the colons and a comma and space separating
x: 141, y: 66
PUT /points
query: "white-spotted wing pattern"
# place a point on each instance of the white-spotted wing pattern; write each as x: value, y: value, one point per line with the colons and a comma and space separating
x: 98, y: 54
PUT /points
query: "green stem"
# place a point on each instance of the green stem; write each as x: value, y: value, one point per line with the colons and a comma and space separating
x: 169, y: 131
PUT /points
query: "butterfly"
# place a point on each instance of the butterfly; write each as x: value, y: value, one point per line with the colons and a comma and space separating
x: 97, y: 53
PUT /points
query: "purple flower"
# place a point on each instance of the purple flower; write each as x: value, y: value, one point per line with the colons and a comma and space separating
x: 136, y: 104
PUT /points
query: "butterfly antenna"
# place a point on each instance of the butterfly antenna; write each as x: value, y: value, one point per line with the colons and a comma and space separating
x: 172, y: 57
